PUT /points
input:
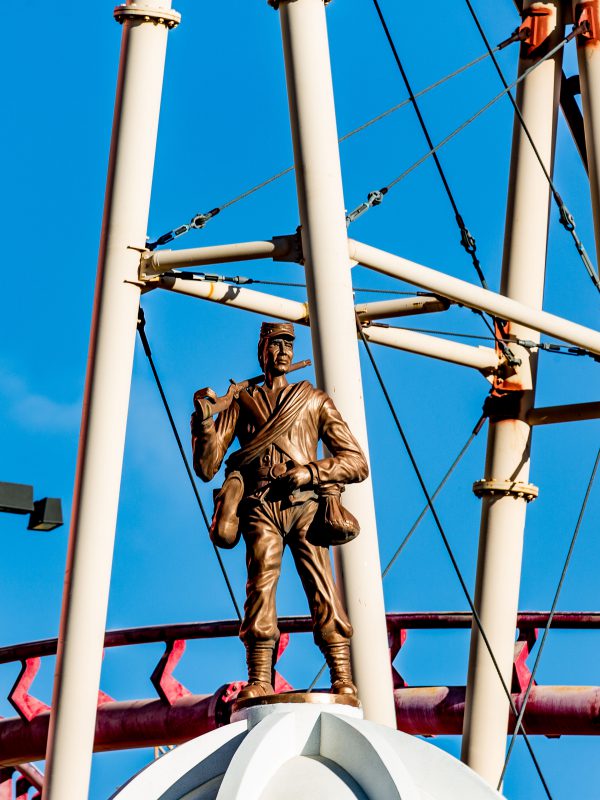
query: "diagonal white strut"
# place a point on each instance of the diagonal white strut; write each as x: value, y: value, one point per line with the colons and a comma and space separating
x: 333, y: 327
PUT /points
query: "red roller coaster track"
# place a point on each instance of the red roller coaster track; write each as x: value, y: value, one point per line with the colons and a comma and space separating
x: 177, y: 715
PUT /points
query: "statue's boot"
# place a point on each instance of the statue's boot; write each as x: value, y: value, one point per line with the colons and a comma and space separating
x: 259, y: 657
x: 338, y: 661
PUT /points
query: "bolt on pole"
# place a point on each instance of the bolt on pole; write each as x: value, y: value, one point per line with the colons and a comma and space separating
x: 106, y: 399
x: 509, y: 439
x: 333, y: 328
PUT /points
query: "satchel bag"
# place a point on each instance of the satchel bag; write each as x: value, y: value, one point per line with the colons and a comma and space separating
x: 332, y: 524
x: 224, y: 529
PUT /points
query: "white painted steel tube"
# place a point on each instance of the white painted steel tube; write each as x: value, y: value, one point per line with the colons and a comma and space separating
x: 509, y: 441
x: 333, y: 328
x: 154, y: 263
x: 522, y: 311
x: 588, y: 57
x: 235, y: 296
x: 405, y: 307
x: 104, y: 419
x: 484, y: 359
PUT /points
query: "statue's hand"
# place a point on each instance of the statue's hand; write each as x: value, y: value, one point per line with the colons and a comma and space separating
x: 295, y: 478
x: 204, y: 400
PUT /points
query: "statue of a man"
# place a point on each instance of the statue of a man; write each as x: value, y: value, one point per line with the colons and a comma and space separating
x: 274, y: 491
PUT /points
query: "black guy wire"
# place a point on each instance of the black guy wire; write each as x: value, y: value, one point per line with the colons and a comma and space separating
x: 145, y: 344
x: 550, y: 617
x: 199, y: 220
x: 419, y: 519
x: 467, y: 239
x: 440, y: 486
x: 476, y: 617
x: 481, y: 111
x: 566, y: 218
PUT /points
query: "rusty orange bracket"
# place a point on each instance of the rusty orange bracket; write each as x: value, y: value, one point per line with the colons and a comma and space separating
x: 168, y: 688
x: 589, y: 11
x: 27, y: 706
x: 537, y: 25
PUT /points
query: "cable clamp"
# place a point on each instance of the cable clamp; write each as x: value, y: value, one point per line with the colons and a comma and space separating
x: 494, y: 488
x: 373, y: 199
x: 519, y: 34
x: 198, y: 221
x: 566, y: 218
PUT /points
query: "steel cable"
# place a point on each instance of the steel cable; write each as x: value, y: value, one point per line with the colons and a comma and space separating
x: 566, y: 218
x: 481, y: 111
x: 476, y: 617
x: 467, y: 240
x: 418, y: 521
x: 439, y: 488
x: 148, y: 352
x: 519, y: 722
x: 175, y: 232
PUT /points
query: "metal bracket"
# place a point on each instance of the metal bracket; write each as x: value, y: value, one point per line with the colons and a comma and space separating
x: 588, y: 11
x: 291, y: 247
x: 144, y: 13
x: 538, y: 23
x: 492, y: 487
x: 166, y: 684
x: 523, y: 647
x: 275, y: 3
x: 396, y: 639
x: 27, y: 706
x: 500, y: 406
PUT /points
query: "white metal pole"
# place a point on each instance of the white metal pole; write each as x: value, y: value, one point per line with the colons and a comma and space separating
x: 509, y: 440
x: 525, y: 312
x: 485, y: 359
x: 280, y: 248
x: 269, y: 305
x: 588, y: 56
x: 108, y: 382
x: 405, y: 307
x: 333, y: 327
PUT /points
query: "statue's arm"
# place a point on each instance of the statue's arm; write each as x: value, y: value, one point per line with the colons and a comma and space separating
x: 211, y: 440
x: 347, y: 462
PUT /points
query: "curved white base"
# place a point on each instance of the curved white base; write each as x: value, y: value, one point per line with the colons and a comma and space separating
x: 296, y: 752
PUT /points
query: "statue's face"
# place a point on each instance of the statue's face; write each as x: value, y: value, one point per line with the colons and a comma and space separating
x: 278, y: 355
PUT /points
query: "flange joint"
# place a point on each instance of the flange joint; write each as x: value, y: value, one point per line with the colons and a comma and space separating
x: 493, y: 488
x: 146, y: 13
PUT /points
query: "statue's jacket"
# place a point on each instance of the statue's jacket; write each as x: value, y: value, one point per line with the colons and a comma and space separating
x: 286, y: 434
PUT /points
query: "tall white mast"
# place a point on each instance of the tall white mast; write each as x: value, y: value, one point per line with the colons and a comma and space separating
x: 505, y: 489
x: 108, y: 384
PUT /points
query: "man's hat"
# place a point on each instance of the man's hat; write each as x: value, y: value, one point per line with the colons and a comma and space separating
x: 269, y: 330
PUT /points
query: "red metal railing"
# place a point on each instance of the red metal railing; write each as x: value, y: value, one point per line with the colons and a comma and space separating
x: 177, y: 715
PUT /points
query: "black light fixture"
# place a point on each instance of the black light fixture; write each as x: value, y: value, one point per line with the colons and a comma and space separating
x: 46, y: 515
x: 17, y: 498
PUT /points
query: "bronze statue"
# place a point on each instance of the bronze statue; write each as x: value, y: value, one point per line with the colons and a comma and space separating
x: 277, y: 492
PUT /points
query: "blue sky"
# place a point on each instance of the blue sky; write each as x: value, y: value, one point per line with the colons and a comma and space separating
x: 224, y: 127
